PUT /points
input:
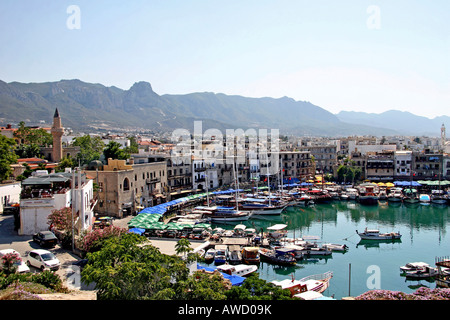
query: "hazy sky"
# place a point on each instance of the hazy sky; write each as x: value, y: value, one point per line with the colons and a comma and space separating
x: 355, y: 55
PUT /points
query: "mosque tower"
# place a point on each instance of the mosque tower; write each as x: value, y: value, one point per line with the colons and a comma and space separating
x: 57, y: 133
x: 443, y: 136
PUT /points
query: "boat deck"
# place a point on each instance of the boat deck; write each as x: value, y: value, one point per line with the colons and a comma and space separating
x: 229, y: 241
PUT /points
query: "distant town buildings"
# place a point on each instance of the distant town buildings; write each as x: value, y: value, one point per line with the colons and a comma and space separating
x: 158, y: 173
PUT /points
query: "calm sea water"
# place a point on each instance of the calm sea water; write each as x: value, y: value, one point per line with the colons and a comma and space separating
x: 373, y: 265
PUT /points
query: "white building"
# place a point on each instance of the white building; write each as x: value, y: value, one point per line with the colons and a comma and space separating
x: 43, y: 194
x: 353, y: 146
x: 204, y: 174
x: 402, y: 164
x: 9, y: 193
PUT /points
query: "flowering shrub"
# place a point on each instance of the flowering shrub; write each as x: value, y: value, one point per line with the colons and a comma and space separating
x: 9, y: 262
x: 92, y: 240
x: 420, y: 294
x: 20, y: 291
x: 61, y: 219
x: 432, y: 294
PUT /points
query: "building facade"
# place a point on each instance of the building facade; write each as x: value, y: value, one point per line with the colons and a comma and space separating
x: 427, y: 165
x: 380, y: 166
x: 125, y: 188
x: 45, y: 193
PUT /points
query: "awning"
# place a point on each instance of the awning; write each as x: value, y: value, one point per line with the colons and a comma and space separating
x: 277, y: 227
x: 235, y: 280
x: 139, y: 231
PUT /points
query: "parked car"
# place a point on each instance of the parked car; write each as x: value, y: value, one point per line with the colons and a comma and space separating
x: 45, y: 238
x: 43, y: 260
x: 21, y: 266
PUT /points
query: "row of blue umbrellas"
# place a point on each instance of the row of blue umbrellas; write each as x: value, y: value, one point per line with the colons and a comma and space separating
x: 407, y: 183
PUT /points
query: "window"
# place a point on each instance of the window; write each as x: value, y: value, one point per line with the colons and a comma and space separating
x: 126, y: 184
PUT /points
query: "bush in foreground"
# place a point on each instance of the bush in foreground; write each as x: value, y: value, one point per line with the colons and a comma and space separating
x: 420, y: 294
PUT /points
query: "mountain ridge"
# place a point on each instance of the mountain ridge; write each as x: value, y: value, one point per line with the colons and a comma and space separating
x: 85, y: 106
x: 403, y: 121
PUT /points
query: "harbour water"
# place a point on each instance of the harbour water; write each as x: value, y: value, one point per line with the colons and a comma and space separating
x: 367, y: 264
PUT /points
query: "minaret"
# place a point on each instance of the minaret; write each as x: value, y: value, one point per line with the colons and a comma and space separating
x: 57, y: 132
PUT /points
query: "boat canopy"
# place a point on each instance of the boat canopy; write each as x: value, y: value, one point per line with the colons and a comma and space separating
x: 235, y: 280
x: 277, y: 227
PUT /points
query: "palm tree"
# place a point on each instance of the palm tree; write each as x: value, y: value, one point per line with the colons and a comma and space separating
x: 183, y: 246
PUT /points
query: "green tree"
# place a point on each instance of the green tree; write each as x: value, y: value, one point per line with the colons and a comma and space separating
x: 27, y: 135
x: 66, y: 162
x: 27, y: 172
x: 202, y: 286
x: 123, y: 269
x: 255, y: 288
x: 114, y: 150
x: 348, y: 173
x: 28, y: 151
x: 7, y: 156
x: 91, y: 148
x: 134, y: 146
x: 183, y: 246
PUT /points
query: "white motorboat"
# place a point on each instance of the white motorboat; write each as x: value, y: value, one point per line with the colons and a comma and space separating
x: 318, y: 283
x: 424, y: 199
x: 344, y: 196
x: 224, y: 214
x: 422, y: 273
x: 312, y: 249
x: 412, y: 266
x: 261, y: 207
x: 209, y: 255
x: 376, y: 235
x: 241, y: 270
x: 395, y: 195
x: 234, y: 254
x: 277, y: 231
x: 335, y: 247
x: 220, y: 256
x: 352, y: 193
x: 438, y: 197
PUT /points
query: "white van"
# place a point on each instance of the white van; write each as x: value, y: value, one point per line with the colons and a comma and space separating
x: 21, y: 266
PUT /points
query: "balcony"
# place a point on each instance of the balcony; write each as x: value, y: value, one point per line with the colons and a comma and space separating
x: 153, y: 180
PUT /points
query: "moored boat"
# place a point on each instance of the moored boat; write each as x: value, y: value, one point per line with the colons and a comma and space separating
x: 422, y: 273
x: 317, y: 283
x: 281, y: 256
x: 320, y: 196
x: 438, y: 197
x: 262, y: 207
x: 220, y: 256
x: 312, y: 249
x: 250, y: 255
x: 352, y: 193
x: 395, y: 195
x: 344, y: 196
x: 376, y: 235
x: 424, y: 199
x: 241, y: 270
x: 209, y: 255
x: 368, y: 194
x: 335, y: 247
x: 277, y: 231
x: 234, y: 254
x: 224, y: 214
x: 411, y: 196
x: 412, y: 266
